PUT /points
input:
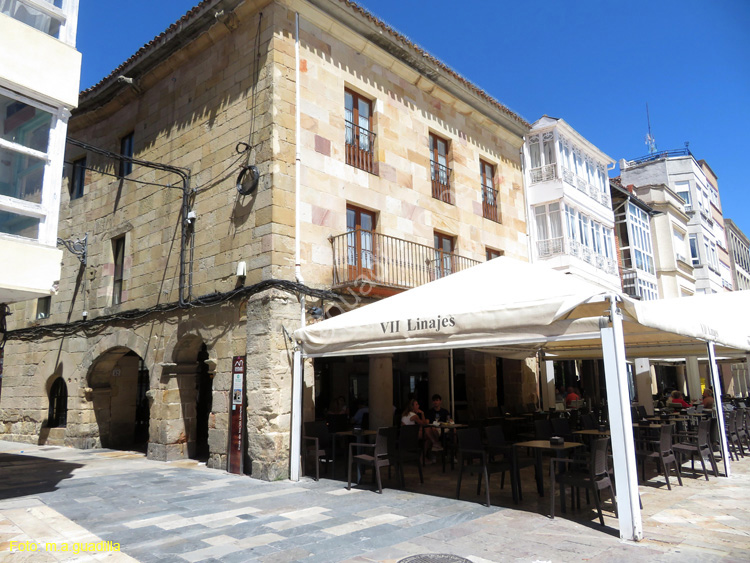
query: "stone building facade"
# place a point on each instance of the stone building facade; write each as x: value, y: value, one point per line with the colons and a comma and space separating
x: 393, y: 156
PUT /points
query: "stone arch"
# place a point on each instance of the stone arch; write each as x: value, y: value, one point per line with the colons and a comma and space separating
x: 108, y: 376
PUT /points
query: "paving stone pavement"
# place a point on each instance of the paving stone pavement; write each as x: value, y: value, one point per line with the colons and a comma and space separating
x: 57, y: 498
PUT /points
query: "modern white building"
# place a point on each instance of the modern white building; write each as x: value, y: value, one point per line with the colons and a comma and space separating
x: 669, y: 233
x: 688, y: 178
x: 634, y: 241
x: 567, y: 193
x: 39, y: 82
x: 739, y: 255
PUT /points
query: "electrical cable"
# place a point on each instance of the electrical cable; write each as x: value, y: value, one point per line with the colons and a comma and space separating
x: 97, y: 324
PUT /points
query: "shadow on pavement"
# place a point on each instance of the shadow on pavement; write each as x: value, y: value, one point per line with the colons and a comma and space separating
x: 22, y: 475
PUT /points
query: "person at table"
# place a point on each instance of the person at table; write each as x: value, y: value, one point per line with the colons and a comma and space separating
x: 412, y: 415
x: 437, y: 413
x: 676, y: 399
x: 571, y: 396
x: 362, y: 410
x: 708, y: 398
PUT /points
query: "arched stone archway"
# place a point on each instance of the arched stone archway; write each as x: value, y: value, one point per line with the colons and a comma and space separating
x: 112, y: 386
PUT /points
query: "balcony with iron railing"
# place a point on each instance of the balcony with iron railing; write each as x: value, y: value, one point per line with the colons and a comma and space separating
x: 489, y: 204
x: 543, y: 173
x: 441, y: 182
x: 360, y: 147
x: 561, y: 246
x: 374, y: 259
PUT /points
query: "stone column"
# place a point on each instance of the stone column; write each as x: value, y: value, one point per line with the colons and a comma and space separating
x: 680, y: 372
x: 481, y: 384
x: 381, y: 390
x: 438, y: 365
x: 547, y: 369
x: 693, y: 377
x: 643, y: 384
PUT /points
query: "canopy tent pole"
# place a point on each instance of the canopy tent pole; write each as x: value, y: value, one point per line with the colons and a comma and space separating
x: 547, y: 377
x: 296, y: 430
x: 621, y: 424
x: 718, y: 407
x: 450, y: 373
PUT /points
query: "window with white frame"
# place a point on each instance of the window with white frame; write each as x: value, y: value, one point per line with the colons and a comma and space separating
x: 56, y: 18
x: 640, y: 238
x: 694, y: 254
x: 683, y: 190
x: 542, y: 157
x: 678, y: 238
x: 25, y: 129
x: 549, y: 231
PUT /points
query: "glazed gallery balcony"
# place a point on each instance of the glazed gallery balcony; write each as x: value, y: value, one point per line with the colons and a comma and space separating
x: 384, y: 265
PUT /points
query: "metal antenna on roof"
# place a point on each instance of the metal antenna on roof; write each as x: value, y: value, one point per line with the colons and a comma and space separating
x: 650, y: 141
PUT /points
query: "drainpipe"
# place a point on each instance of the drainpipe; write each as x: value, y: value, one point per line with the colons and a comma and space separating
x: 526, y: 201
x: 297, y: 168
x: 295, y: 445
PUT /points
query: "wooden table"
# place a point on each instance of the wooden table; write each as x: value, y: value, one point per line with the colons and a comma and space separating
x: 540, y: 446
x: 347, y: 434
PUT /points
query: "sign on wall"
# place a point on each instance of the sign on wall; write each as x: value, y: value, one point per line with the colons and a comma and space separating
x: 237, y: 418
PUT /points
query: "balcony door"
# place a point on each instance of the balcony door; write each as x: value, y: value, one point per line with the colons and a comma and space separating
x: 360, y: 225
x: 443, y: 255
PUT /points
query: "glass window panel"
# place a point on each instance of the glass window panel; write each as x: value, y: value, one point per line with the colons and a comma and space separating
x: 31, y: 16
x: 535, y: 155
x: 21, y: 176
x: 24, y: 124
x: 549, y: 152
x: 19, y: 225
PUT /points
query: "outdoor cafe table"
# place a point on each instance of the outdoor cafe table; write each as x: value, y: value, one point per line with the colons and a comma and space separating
x: 540, y: 446
x: 591, y: 433
x: 443, y: 426
x: 347, y: 434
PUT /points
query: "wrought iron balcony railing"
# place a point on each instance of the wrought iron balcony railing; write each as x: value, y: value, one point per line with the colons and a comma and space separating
x: 441, y: 182
x: 489, y: 204
x: 366, y: 257
x: 360, y: 147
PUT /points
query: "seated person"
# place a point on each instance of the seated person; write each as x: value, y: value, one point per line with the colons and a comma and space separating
x: 437, y: 412
x: 362, y: 410
x: 708, y: 398
x: 676, y: 399
x: 411, y: 415
x: 571, y: 396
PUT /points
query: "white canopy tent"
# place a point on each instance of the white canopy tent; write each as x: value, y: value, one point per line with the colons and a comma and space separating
x: 514, y: 309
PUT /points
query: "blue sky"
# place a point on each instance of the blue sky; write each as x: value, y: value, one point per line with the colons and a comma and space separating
x: 594, y: 63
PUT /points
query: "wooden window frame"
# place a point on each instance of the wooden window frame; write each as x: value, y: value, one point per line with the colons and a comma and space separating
x: 361, y: 261
x: 490, y: 205
x: 444, y: 263
x: 359, y: 142
x: 440, y: 174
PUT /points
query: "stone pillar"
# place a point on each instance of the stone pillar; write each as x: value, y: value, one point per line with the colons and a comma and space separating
x: 438, y: 365
x: 381, y: 390
x: 680, y: 373
x: 692, y: 371
x: 172, y: 426
x: 643, y: 384
x: 547, y: 369
x: 481, y: 384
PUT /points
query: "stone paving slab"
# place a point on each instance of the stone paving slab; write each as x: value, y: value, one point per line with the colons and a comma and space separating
x: 181, y: 512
